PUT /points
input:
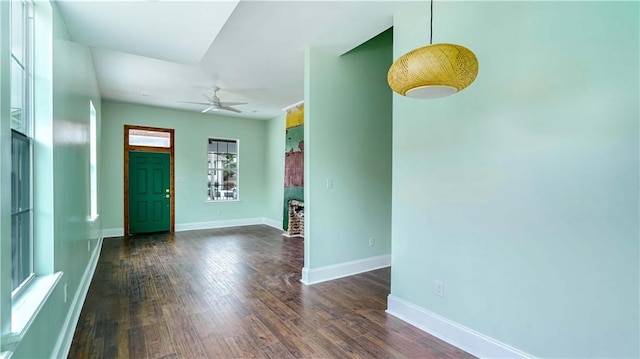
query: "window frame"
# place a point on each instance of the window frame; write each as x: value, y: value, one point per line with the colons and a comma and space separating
x: 15, y: 291
x: 211, y: 188
x: 93, y: 162
x: 25, y: 62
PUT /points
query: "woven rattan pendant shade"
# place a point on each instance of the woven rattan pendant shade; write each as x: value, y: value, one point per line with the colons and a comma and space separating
x: 433, y: 71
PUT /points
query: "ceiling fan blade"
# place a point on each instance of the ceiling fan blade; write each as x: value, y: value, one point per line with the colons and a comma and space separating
x: 208, y: 109
x: 229, y: 108
x: 196, y: 103
x: 232, y: 103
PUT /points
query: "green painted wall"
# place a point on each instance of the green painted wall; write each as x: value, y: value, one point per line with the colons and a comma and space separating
x: 191, y: 133
x: 292, y: 141
x: 274, y: 170
x: 74, y: 84
x: 521, y: 192
x: 348, y: 139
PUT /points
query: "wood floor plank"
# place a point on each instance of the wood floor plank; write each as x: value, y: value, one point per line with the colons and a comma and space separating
x: 287, y: 334
x: 137, y: 345
x: 217, y: 347
x: 97, y: 348
x: 377, y: 348
x: 158, y: 341
x: 185, y: 340
x: 345, y: 342
x: 275, y: 351
x: 258, y: 331
x: 242, y: 346
x: 323, y: 347
x: 122, y: 344
x: 236, y: 293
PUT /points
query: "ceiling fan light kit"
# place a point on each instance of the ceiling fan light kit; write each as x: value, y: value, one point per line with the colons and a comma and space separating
x: 433, y: 71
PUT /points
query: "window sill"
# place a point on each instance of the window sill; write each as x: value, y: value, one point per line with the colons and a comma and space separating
x: 29, y: 302
x: 222, y: 201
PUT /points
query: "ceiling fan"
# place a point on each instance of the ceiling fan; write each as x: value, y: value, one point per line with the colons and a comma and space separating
x: 215, y: 104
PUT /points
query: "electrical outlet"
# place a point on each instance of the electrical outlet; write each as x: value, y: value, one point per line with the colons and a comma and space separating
x: 372, y: 242
x: 329, y: 183
x: 439, y: 288
x: 65, y: 292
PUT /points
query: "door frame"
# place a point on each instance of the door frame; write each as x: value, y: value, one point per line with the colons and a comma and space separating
x: 128, y: 148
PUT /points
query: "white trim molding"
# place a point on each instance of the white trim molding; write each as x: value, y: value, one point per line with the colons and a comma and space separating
x: 181, y: 227
x: 286, y: 234
x: 112, y: 232
x: 285, y: 109
x: 63, y: 344
x: 451, y: 332
x: 273, y: 223
x: 322, y: 274
x: 218, y: 224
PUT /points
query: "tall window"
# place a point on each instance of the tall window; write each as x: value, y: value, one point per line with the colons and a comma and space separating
x: 93, y: 160
x: 21, y: 143
x: 222, y: 156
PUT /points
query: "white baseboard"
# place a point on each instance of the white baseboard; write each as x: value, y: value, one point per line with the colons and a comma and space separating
x: 61, y: 350
x: 218, y: 224
x: 335, y: 271
x: 451, y: 332
x: 293, y: 236
x: 112, y: 232
x: 273, y: 223
x: 181, y: 227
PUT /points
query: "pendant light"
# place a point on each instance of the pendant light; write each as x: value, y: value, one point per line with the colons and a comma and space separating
x: 433, y: 71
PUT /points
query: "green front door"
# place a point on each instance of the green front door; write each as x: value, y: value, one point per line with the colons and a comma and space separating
x: 149, y: 196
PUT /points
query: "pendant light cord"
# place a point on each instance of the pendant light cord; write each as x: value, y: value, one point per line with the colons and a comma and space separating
x: 431, y: 26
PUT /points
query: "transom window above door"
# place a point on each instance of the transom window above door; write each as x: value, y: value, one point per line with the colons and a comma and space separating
x: 149, y: 138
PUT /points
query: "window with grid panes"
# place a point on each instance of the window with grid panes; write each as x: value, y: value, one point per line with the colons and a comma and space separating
x: 21, y: 143
x: 222, y: 163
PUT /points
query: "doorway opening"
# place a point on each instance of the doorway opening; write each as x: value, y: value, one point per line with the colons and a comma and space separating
x: 149, y: 186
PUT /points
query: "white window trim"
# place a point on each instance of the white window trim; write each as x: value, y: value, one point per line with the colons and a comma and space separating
x: 237, y: 168
x: 28, y: 87
x: 93, y: 163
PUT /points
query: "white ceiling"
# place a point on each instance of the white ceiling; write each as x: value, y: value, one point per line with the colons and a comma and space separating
x: 161, y: 52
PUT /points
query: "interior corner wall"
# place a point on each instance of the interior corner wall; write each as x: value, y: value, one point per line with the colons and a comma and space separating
x: 521, y: 192
x: 347, y: 143
x: 274, y: 171
x: 192, y: 130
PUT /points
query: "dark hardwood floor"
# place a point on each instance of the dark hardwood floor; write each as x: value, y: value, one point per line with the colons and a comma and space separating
x: 236, y: 293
